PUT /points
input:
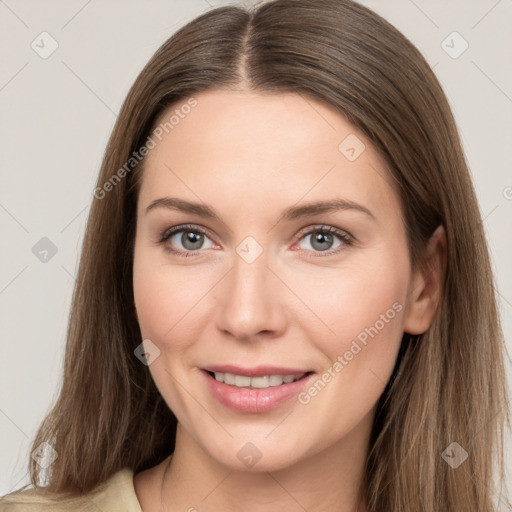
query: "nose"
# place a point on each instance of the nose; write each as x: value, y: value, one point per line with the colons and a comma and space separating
x: 251, y: 301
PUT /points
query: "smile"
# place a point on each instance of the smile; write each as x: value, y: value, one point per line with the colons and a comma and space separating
x: 242, y: 393
x: 265, y: 381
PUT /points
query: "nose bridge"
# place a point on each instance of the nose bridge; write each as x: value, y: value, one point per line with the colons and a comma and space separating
x: 251, y: 300
x: 250, y: 268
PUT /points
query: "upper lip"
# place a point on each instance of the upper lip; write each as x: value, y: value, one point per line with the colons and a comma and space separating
x: 256, y: 371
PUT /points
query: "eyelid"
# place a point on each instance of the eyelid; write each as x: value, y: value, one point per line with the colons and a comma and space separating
x: 168, y: 232
x: 342, y: 233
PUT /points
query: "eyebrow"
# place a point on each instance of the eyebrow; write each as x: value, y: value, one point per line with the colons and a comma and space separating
x: 292, y: 213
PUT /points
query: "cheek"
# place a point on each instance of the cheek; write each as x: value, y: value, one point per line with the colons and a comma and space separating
x: 371, y: 309
x: 365, y: 311
x: 172, y: 305
x: 164, y: 299
x: 166, y: 303
x: 363, y: 307
x: 350, y: 301
x: 359, y: 362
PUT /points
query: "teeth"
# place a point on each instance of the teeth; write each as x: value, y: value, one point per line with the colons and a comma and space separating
x: 241, y: 381
x: 266, y: 381
x: 275, y: 380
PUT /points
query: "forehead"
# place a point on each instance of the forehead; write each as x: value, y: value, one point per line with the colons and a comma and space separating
x: 246, y: 147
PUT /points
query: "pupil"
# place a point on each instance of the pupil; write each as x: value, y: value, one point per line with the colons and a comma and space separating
x: 322, y: 238
x: 192, y: 238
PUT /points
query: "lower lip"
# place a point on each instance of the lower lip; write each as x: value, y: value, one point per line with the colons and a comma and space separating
x: 254, y: 400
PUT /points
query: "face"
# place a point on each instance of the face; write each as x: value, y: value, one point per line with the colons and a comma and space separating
x: 252, y: 283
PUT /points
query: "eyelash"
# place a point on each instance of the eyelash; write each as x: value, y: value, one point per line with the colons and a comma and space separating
x: 345, y: 238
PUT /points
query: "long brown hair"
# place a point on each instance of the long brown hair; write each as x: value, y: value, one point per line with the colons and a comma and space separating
x: 449, y: 383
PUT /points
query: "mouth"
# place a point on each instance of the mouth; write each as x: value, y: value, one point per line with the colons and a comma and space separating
x: 255, y: 394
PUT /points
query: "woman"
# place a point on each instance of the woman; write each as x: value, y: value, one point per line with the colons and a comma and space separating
x: 284, y: 300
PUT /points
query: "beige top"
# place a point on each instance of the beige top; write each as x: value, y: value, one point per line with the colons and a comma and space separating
x: 117, y: 494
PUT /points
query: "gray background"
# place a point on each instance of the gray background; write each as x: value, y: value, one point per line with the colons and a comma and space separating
x: 57, y: 113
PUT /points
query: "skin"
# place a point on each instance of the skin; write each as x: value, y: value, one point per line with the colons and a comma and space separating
x: 249, y: 156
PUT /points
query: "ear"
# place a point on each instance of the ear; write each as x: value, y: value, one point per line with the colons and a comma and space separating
x: 426, y: 285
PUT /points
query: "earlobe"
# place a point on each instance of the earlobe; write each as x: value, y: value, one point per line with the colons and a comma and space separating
x: 427, y: 284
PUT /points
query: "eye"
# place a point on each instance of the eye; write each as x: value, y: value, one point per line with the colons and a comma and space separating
x: 191, y: 238
x: 323, y: 239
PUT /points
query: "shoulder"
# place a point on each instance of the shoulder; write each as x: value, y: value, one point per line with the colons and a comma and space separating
x: 117, y: 494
